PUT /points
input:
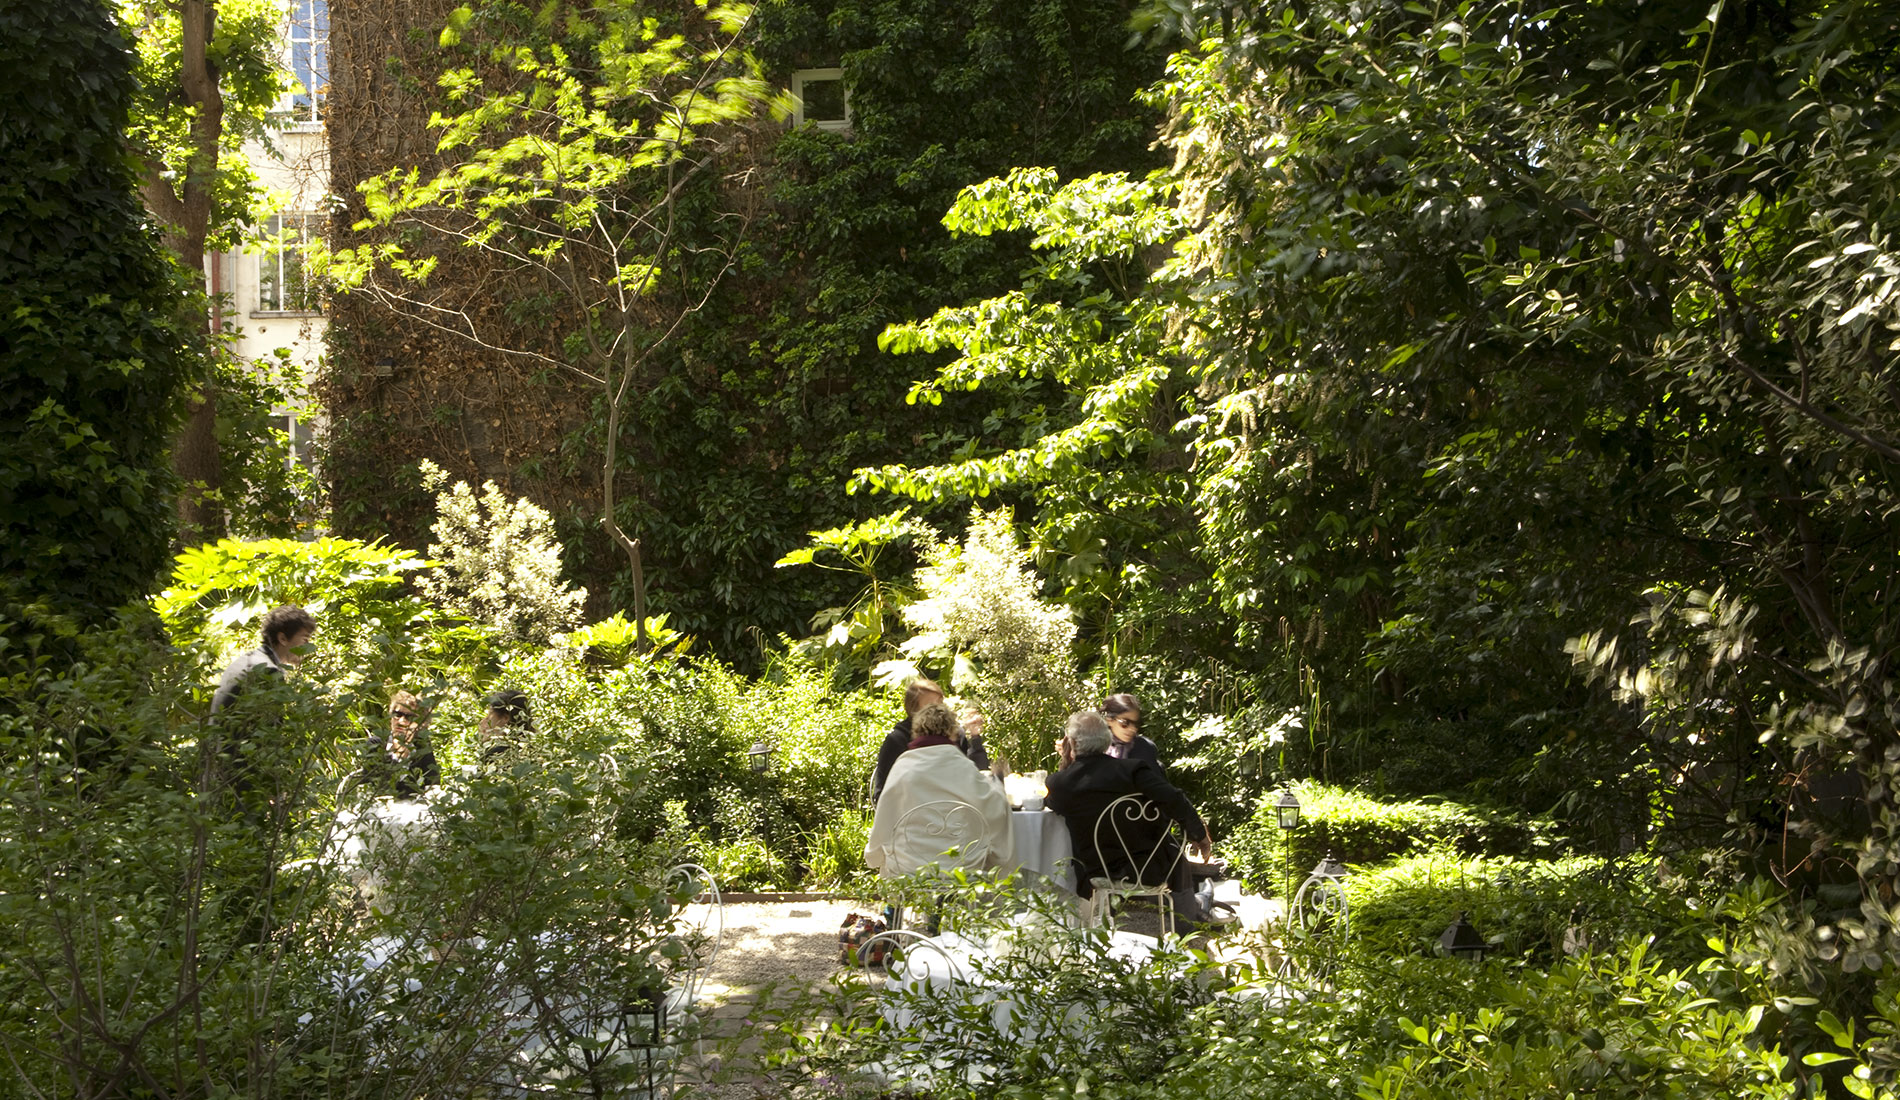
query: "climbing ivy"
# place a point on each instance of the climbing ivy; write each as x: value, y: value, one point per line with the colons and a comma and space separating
x: 91, y: 355
x: 779, y: 391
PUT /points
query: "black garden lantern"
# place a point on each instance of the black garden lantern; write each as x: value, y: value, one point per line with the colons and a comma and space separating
x: 1462, y: 941
x: 1286, y: 810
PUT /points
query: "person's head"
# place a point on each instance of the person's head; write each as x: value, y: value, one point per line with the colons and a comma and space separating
x: 920, y: 694
x: 286, y: 631
x: 1088, y: 733
x: 971, y: 718
x: 1124, y: 716
x: 934, y: 720
x: 508, y: 709
x: 407, y: 715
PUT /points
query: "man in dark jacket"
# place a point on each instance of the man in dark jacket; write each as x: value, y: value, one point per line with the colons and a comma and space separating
x: 286, y: 633
x: 1089, y: 781
x: 919, y: 694
x: 243, y: 704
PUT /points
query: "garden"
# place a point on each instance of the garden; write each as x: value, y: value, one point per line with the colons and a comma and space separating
x: 1469, y: 431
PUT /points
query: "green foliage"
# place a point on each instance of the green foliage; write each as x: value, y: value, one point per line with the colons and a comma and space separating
x: 1618, y: 1025
x: 243, y: 55
x: 94, y: 349
x: 614, y: 641
x: 835, y: 854
x: 685, y: 728
x: 159, y: 925
x: 371, y: 635
x: 1042, y: 1012
x: 267, y: 492
x: 860, y: 634
x: 497, y: 562
x: 776, y: 392
x: 567, y: 145
x: 1491, y: 336
x: 1525, y: 908
x: 1360, y: 831
x: 980, y: 625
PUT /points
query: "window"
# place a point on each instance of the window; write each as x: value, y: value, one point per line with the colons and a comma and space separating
x: 308, y: 41
x: 282, y: 286
x: 819, y: 99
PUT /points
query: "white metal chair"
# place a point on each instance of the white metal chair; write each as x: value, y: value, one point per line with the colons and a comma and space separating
x: 704, y: 933
x: 946, y: 834
x: 1133, y: 832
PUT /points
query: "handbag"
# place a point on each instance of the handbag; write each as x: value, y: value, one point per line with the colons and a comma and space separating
x: 856, y: 931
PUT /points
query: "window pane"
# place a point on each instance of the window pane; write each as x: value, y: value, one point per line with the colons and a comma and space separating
x: 824, y: 100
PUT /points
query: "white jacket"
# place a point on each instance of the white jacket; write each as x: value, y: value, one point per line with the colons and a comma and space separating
x: 936, y: 801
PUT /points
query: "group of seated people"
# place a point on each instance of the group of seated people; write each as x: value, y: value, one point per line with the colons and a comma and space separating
x: 938, y: 803
x: 403, y: 765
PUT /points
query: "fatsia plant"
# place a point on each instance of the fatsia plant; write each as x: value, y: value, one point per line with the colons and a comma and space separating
x: 568, y: 144
x: 369, y: 631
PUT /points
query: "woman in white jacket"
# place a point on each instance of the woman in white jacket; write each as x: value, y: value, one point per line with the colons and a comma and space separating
x: 937, y: 807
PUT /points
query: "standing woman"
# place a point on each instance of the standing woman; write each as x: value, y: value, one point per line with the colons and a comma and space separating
x: 1124, y: 721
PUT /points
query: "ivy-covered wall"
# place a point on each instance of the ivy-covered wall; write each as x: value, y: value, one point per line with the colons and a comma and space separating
x: 768, y: 398
x: 94, y: 346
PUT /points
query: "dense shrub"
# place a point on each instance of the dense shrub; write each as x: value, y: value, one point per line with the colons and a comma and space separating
x: 1524, y: 908
x: 1359, y: 831
x: 983, y: 630
x: 683, y: 731
x: 93, y: 345
x: 1049, y: 1012
x: 162, y: 923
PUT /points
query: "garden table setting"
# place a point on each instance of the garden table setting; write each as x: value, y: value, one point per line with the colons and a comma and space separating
x: 1044, y: 850
x: 985, y: 971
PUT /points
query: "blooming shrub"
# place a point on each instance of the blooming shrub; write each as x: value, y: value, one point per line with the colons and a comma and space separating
x: 985, y: 629
x: 498, y: 562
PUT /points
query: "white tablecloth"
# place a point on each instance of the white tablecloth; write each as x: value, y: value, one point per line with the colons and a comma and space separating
x: 377, y: 831
x: 1042, y: 846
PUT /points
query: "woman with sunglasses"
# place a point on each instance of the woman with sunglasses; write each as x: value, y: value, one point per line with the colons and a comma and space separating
x: 403, y: 765
x: 1124, y: 722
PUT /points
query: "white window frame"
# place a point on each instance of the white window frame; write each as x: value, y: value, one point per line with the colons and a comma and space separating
x: 816, y: 76
x: 307, y: 24
x: 284, y: 236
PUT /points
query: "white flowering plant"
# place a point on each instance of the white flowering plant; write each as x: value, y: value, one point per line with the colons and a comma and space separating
x: 497, y: 562
x: 983, y: 627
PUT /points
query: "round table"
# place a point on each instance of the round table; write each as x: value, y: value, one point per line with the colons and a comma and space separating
x: 1043, y: 848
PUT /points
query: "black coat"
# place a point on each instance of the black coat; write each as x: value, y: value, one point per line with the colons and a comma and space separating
x: 382, y: 774
x: 1081, y: 791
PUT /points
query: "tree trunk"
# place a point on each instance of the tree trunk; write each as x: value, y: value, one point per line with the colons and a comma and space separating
x: 186, y: 219
x: 615, y: 397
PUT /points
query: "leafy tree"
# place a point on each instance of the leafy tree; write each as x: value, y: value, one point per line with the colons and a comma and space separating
x: 577, y: 144
x: 1508, y: 331
x: 208, y: 75
x: 93, y: 354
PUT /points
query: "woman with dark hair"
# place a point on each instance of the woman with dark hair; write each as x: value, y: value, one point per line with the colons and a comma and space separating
x: 508, y: 720
x: 1124, y: 721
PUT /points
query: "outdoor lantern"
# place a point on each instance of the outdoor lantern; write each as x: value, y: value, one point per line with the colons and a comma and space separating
x: 1288, y: 810
x: 1463, y: 941
x: 761, y: 754
x: 648, y: 1036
